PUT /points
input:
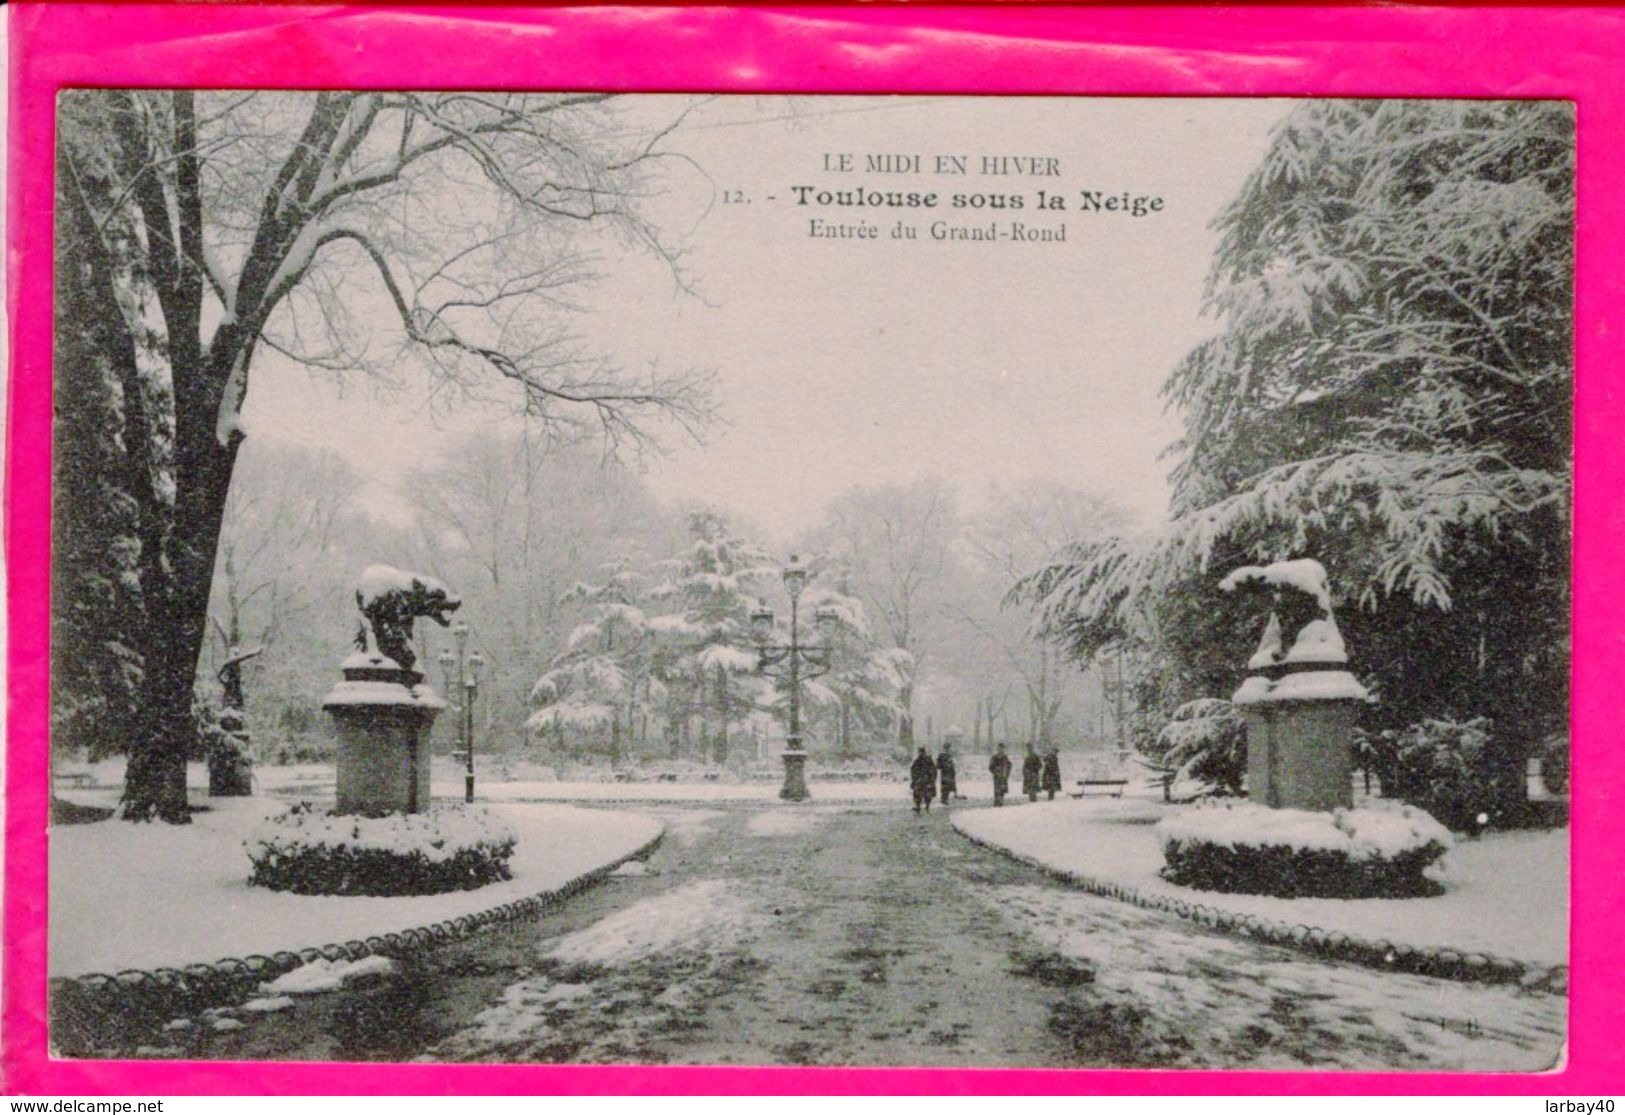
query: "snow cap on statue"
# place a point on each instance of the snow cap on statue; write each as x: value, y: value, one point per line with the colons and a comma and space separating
x: 1301, y: 620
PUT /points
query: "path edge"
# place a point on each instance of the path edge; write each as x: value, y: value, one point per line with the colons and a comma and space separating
x: 1470, y: 966
x: 195, y: 987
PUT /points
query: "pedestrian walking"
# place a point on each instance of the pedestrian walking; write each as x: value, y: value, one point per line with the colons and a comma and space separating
x: 947, y: 776
x: 922, y: 779
x: 1032, y: 771
x: 1052, y: 773
x: 999, y: 766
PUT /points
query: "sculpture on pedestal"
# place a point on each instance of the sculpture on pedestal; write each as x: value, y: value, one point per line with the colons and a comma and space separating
x: 390, y: 600
x: 231, y: 767
x: 383, y: 709
x: 1300, y: 836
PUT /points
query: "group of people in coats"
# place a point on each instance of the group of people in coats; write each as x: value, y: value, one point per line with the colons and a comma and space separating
x: 938, y: 779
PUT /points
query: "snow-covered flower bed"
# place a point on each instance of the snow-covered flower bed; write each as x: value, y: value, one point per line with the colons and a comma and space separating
x: 448, y: 848
x: 1347, y: 853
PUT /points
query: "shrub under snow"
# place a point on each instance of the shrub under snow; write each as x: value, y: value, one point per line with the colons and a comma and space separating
x: 1438, y: 765
x: 445, y: 849
x: 1291, y: 853
x: 1206, y: 740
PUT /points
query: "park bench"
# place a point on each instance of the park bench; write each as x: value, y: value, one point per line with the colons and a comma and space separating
x: 867, y: 774
x: 1112, y: 786
x: 76, y: 780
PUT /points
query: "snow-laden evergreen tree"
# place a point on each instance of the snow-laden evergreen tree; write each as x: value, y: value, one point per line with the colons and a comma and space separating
x: 1206, y: 740
x: 597, y: 694
x: 1389, y: 392
x: 704, y: 652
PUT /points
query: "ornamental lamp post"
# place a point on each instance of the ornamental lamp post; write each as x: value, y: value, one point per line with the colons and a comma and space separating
x: 465, y: 681
x: 796, y: 661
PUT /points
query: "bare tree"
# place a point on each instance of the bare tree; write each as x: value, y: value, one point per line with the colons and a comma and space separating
x: 272, y: 538
x: 288, y: 550
x: 896, y: 540
x: 1019, y: 531
x: 213, y: 226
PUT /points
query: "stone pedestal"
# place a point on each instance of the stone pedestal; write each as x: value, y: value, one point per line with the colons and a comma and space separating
x: 231, y: 771
x: 230, y: 775
x: 795, y: 776
x: 383, y: 715
x: 1300, y: 754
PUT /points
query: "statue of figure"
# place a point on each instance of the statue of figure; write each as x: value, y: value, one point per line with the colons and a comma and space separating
x: 390, y: 600
x: 230, y: 677
x: 231, y: 770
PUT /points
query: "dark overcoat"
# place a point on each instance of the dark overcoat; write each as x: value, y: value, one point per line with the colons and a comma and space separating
x: 922, y: 775
x: 1032, y: 768
x: 947, y: 775
x: 1052, y: 771
x: 999, y: 767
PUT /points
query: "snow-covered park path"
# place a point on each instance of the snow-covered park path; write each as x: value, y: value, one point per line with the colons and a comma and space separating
x: 863, y: 935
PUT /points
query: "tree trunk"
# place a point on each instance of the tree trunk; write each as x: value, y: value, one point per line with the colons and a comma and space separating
x: 105, y: 489
x: 176, y: 594
x: 178, y: 615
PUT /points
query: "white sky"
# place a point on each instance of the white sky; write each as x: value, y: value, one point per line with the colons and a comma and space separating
x: 849, y: 362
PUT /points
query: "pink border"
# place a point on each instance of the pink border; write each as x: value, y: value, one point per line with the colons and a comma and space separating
x: 1282, y: 50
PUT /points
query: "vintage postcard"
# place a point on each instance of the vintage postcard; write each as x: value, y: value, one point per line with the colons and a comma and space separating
x: 910, y: 580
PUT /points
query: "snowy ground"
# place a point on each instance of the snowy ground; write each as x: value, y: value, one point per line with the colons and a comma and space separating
x: 100, y: 782
x: 179, y: 894
x: 866, y: 935
x: 1178, y: 998
x: 502, y: 781
x: 1506, y: 894
x: 700, y: 792
x: 710, y: 915
x: 975, y: 784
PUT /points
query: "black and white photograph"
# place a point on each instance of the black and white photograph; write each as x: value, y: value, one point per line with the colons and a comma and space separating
x: 648, y: 579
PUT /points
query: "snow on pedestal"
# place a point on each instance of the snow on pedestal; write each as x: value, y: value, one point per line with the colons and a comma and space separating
x: 1300, y: 703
